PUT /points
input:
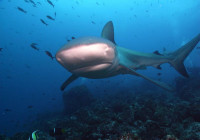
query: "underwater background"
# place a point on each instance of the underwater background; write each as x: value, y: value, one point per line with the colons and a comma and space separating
x: 30, y: 80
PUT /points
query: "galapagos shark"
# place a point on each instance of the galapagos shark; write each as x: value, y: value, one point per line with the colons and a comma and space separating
x: 101, y: 57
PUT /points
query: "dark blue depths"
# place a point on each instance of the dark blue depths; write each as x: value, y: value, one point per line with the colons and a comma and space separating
x: 121, y: 107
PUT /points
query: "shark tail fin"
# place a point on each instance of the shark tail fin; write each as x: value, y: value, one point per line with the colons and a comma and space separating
x: 177, y: 58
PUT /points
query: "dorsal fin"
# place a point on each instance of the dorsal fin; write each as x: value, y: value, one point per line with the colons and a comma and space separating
x: 108, y: 32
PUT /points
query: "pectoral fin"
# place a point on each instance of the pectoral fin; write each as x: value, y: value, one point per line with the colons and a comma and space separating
x: 68, y: 81
x: 158, y: 83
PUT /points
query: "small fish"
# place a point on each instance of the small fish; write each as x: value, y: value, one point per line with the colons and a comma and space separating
x: 33, y: 45
x: 157, y: 53
x: 198, y: 47
x: 164, y: 49
x: 57, y: 132
x: 34, y: 135
x: 159, y: 74
x: 33, y: 2
x: 43, y: 22
x: 49, y: 54
x: 93, y: 22
x: 39, y: 3
x: 7, y: 110
x: 73, y: 37
x: 1, y: 49
x: 8, y: 77
x: 30, y: 106
x: 22, y: 10
x: 50, y: 3
x: 49, y: 17
x: 27, y: 66
x: 77, y: 2
x: 68, y: 40
x: 55, y: 14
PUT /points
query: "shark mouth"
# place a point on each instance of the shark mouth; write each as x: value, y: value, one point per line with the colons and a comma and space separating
x: 90, y: 68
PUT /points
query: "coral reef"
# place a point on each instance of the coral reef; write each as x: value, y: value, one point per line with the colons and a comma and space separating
x: 188, y: 89
x: 140, y: 115
x: 76, y: 98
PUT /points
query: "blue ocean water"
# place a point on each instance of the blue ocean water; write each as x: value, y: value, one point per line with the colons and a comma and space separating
x: 30, y: 80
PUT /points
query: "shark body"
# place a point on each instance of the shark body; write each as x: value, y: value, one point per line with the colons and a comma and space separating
x: 101, y: 57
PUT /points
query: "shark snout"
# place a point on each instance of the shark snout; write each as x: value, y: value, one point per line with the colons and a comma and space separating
x: 65, y: 59
x: 88, y: 57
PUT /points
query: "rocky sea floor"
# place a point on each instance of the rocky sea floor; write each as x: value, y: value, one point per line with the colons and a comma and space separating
x: 126, y: 115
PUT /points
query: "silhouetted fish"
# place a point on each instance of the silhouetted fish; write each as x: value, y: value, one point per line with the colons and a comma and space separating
x: 77, y: 2
x: 198, y: 47
x: 164, y: 49
x: 22, y: 10
x: 68, y: 40
x: 8, y: 77
x: 33, y: 2
x: 93, y: 22
x: 27, y: 66
x: 1, y: 49
x: 49, y: 17
x: 49, y: 54
x: 159, y: 74
x: 43, y: 22
x: 50, y: 3
x: 55, y: 132
x: 7, y: 110
x: 157, y: 52
x: 55, y: 14
x: 33, y: 45
x: 30, y: 106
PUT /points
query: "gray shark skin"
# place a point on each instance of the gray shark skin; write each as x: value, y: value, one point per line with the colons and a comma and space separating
x: 101, y: 57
